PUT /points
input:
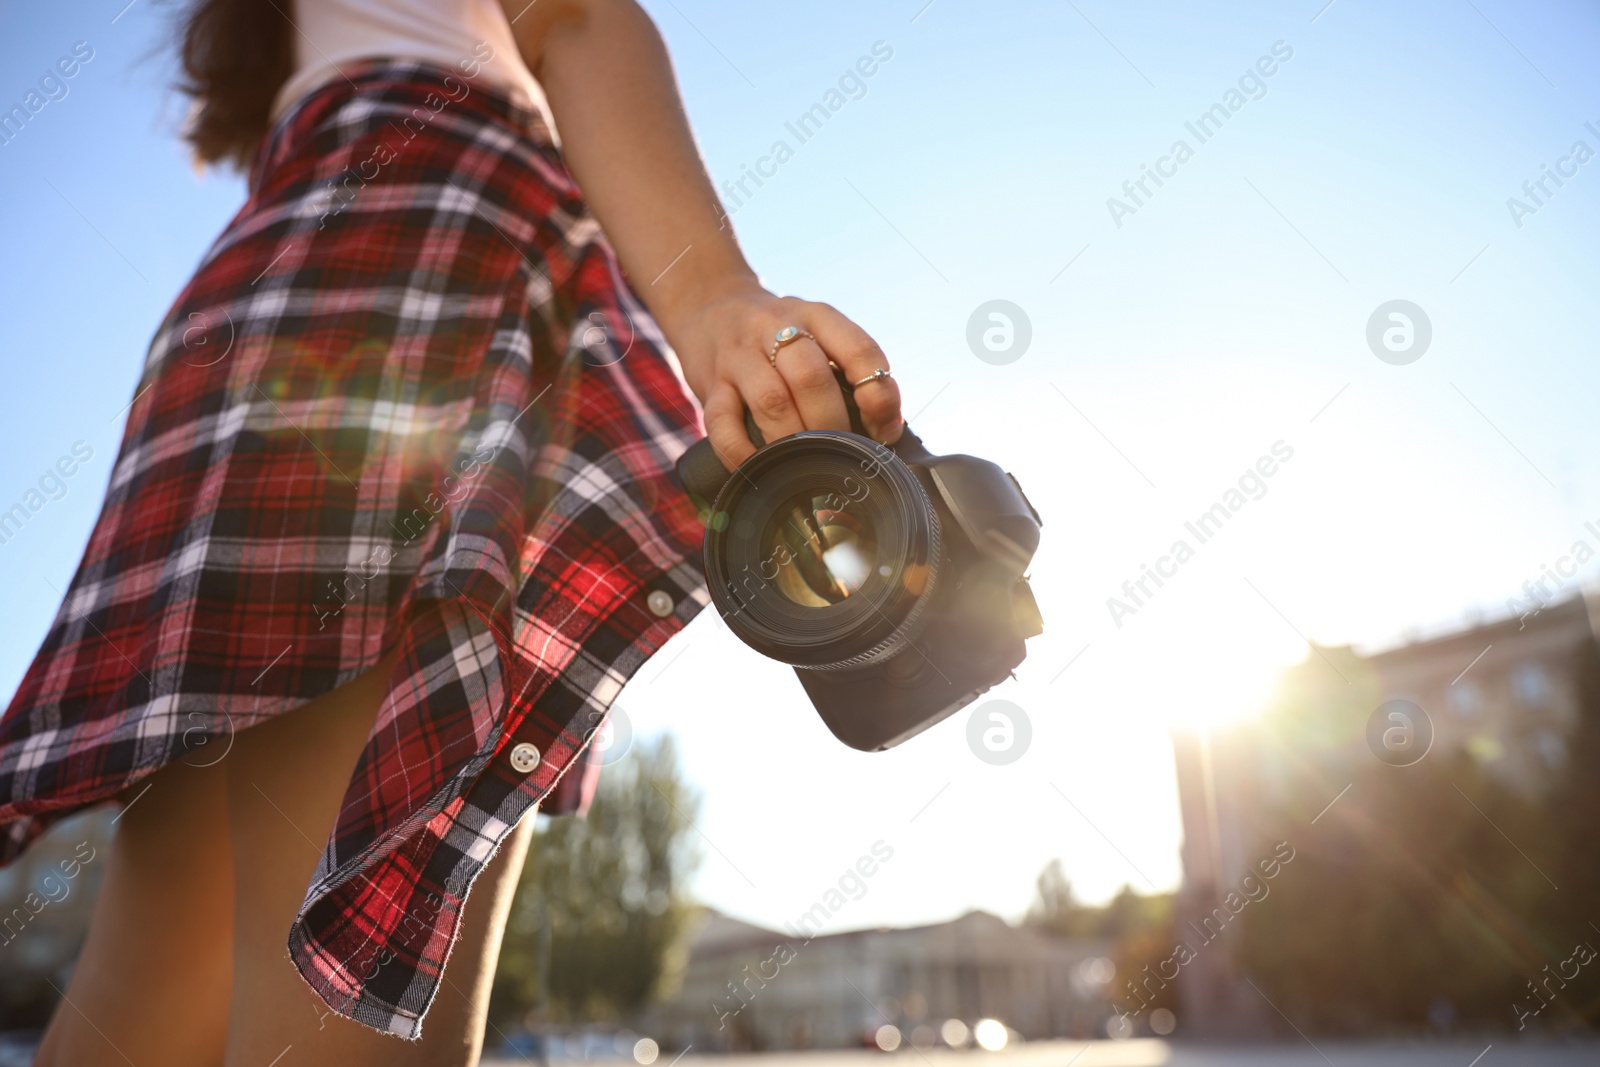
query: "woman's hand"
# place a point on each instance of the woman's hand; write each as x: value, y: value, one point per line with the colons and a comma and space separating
x: 626, y: 140
x: 723, y: 345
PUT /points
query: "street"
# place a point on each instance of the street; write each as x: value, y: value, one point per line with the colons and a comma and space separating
x: 1153, y: 1053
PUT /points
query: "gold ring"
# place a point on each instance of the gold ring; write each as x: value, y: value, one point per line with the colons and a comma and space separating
x: 786, y: 336
x: 876, y: 376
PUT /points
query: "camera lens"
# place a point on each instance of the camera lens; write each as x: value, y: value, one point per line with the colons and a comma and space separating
x: 822, y: 551
x: 831, y: 552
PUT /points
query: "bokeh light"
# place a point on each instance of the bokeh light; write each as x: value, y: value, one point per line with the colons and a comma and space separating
x: 990, y: 1034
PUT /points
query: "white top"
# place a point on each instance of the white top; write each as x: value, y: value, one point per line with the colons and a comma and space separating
x: 333, y: 33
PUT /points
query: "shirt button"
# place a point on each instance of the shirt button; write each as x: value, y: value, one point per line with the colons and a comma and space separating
x: 659, y: 602
x: 524, y: 758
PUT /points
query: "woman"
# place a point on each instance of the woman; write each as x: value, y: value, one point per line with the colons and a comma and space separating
x: 392, y: 520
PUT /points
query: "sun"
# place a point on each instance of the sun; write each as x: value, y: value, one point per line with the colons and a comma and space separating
x: 1217, y: 675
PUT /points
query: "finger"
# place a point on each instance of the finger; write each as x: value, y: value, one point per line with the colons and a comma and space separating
x: 858, y: 355
x: 804, y: 369
x: 724, y: 413
x: 767, y: 396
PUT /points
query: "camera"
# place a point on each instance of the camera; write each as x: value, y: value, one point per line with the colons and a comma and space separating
x: 891, y: 579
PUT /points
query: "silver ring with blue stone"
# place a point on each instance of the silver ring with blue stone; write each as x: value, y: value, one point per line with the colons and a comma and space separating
x: 786, y: 336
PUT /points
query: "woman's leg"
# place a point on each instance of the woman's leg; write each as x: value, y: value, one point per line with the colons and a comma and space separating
x: 151, y: 985
x: 286, y: 781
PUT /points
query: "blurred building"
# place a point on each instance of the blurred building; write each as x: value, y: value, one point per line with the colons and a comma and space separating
x: 46, y: 898
x: 749, y: 988
x: 1505, y: 692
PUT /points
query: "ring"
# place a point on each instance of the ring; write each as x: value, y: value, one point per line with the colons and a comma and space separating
x: 876, y: 376
x: 785, y: 336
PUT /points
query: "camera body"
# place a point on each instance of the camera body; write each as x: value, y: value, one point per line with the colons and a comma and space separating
x: 893, y: 580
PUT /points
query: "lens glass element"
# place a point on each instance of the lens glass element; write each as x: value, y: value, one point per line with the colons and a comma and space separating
x: 822, y: 548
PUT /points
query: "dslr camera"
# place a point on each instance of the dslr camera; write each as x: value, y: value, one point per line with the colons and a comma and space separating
x: 891, y: 579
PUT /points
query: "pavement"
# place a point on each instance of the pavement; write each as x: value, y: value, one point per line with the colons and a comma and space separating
x: 1503, y: 1052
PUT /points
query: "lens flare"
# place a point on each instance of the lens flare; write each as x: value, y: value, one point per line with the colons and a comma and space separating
x: 848, y: 565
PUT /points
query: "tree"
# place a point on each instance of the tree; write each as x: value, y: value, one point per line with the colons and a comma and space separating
x: 1140, y: 928
x: 1420, y: 887
x: 605, y: 894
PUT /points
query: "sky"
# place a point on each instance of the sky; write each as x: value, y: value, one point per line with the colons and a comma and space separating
x: 1179, y: 334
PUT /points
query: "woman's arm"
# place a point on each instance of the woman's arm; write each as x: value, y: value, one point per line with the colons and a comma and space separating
x: 624, y: 134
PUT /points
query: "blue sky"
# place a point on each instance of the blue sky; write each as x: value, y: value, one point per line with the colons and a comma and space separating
x: 1226, y: 314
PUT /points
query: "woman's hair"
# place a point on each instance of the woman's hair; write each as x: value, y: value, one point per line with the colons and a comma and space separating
x: 235, y: 55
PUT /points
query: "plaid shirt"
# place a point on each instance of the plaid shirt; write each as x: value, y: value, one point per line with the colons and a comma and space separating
x: 407, y: 401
